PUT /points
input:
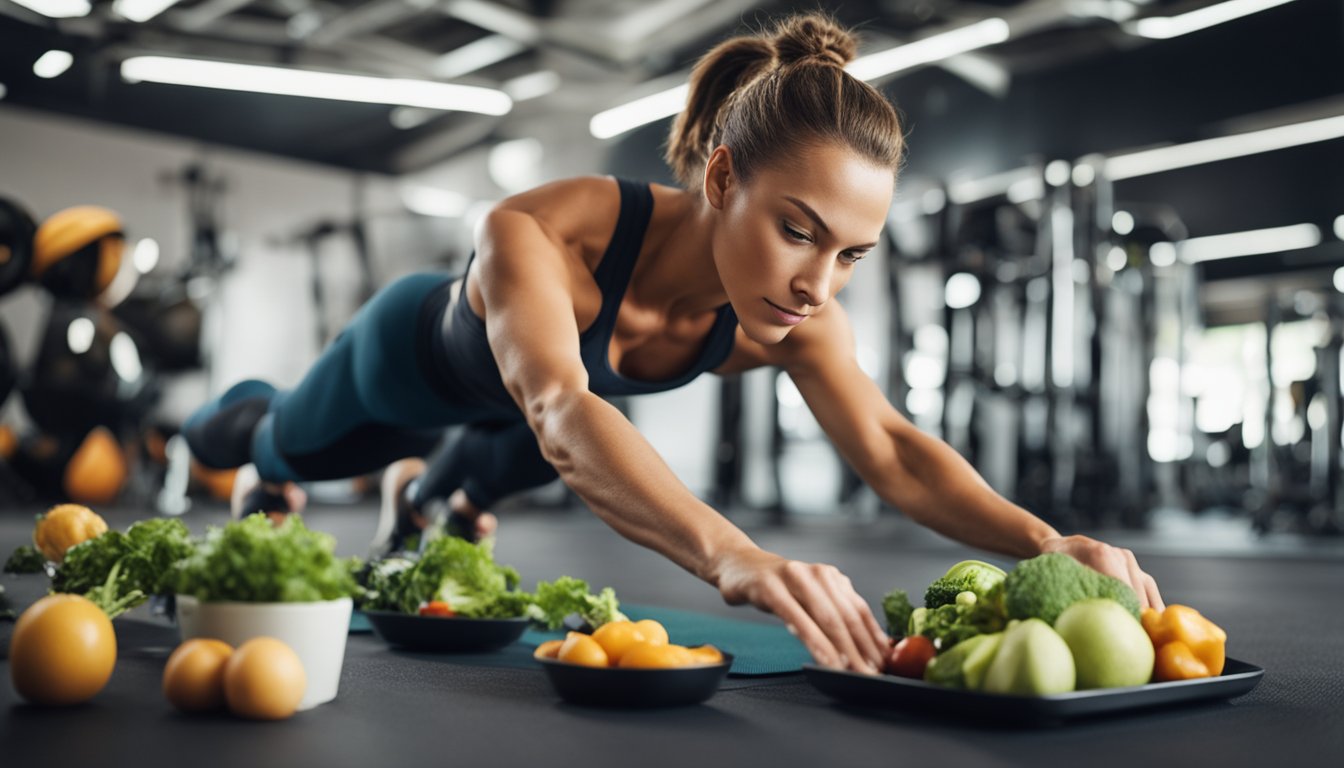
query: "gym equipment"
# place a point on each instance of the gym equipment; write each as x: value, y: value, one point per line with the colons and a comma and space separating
x: 77, y: 251
x: 8, y: 372
x: 91, y: 468
x: 16, y: 244
x: 88, y: 373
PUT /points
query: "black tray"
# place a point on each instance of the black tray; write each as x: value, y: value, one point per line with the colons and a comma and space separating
x: 635, y: 688
x: 918, y: 696
x: 445, y: 634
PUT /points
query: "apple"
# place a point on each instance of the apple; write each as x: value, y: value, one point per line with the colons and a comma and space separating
x: 1110, y: 648
x: 1032, y: 660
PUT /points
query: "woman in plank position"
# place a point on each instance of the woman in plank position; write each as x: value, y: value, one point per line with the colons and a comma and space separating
x: 595, y: 287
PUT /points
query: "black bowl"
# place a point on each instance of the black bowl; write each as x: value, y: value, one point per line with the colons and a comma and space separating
x: 445, y: 634
x: 635, y: 688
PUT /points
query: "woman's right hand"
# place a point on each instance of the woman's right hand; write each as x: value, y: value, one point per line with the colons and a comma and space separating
x: 816, y: 601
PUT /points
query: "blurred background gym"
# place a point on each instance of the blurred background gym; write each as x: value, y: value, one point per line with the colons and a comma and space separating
x: 1112, y: 277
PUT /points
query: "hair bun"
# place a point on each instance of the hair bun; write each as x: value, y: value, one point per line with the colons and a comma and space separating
x: 814, y: 37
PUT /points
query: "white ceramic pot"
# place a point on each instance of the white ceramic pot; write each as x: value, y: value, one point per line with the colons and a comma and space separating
x: 316, y: 632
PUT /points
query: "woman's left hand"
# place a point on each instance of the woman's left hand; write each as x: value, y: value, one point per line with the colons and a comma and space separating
x: 1112, y: 561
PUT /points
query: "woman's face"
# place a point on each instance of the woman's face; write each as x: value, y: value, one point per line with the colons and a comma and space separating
x: 791, y: 238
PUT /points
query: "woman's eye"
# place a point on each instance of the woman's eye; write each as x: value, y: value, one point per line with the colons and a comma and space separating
x: 796, y: 235
x: 851, y: 258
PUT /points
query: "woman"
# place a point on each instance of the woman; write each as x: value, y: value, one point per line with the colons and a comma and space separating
x: 788, y: 165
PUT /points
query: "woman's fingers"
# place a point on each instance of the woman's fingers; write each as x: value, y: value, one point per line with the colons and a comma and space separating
x: 853, y: 610
x: 783, y: 604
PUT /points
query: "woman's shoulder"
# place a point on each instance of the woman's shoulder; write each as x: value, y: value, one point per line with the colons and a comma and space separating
x: 580, y: 211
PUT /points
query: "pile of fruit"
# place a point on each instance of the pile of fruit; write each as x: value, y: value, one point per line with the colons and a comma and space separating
x: 1049, y: 626
x: 627, y: 645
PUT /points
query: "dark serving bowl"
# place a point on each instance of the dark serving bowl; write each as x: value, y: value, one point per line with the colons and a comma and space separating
x: 635, y: 688
x: 445, y: 634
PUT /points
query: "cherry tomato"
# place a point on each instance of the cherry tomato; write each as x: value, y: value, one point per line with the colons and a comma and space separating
x: 436, y: 608
x: 910, y: 656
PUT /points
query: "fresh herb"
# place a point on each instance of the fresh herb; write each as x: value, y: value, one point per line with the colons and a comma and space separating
x: 254, y: 561
x: 25, y: 559
x: 119, y: 571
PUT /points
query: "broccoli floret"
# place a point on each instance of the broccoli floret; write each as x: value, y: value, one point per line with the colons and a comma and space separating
x: 967, y: 576
x: 1044, y: 586
x: 896, y: 605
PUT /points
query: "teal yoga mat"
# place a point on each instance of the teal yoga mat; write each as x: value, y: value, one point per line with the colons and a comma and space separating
x: 758, y: 649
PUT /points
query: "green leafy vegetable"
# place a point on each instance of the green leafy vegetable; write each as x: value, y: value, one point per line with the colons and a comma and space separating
x: 119, y: 571
x: 967, y: 576
x: 466, y: 576
x: 896, y: 606
x: 254, y: 561
x: 25, y: 559
x: 1044, y: 586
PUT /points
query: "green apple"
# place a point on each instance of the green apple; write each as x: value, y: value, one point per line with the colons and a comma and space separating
x: 1033, y: 660
x: 1110, y: 648
x: 977, y: 662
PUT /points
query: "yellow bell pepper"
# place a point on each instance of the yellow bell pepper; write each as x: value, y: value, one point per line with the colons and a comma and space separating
x: 1188, y: 645
x: 64, y: 526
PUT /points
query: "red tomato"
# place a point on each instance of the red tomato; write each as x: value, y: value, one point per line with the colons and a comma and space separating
x: 910, y: 656
x: 436, y: 608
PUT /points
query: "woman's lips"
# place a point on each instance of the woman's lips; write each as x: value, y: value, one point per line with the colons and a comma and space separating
x: 785, y: 316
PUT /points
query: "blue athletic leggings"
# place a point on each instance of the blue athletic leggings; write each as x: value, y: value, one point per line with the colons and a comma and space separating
x: 367, y: 402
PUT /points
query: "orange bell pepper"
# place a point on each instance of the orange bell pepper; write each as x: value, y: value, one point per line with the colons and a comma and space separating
x: 1188, y: 645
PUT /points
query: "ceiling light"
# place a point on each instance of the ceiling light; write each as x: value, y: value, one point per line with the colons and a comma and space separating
x: 618, y: 120
x: 1162, y: 254
x: 79, y: 335
x: 531, y: 86
x: 141, y: 10
x: 430, y: 201
x: 1225, y: 147
x: 516, y: 165
x: 1165, y: 27
x: 52, y: 63
x: 1339, y: 227
x: 1250, y: 243
x: 929, y: 49
x: 318, y: 85
x: 475, y: 55
x: 1339, y: 279
x: 58, y: 9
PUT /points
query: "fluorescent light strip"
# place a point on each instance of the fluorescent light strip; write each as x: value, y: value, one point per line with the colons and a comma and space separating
x: 475, y: 55
x: 1249, y: 243
x: 531, y: 86
x: 58, y: 9
x: 930, y: 49
x: 52, y: 64
x: 317, y: 85
x: 1170, y: 158
x: 141, y: 10
x: 1166, y: 27
x: 618, y: 120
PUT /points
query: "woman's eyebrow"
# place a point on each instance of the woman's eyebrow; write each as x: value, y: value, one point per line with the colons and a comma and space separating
x: 811, y: 214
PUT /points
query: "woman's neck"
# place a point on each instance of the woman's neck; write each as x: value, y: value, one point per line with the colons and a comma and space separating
x: 677, y: 275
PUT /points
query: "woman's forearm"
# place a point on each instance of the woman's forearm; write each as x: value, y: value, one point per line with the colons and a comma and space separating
x: 939, y: 489
x: 608, y: 463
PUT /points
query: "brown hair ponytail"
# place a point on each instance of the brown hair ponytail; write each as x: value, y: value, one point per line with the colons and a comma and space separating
x: 766, y: 96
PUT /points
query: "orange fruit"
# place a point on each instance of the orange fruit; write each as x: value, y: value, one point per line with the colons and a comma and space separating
x: 62, y: 650
x: 646, y: 655
x: 548, y: 650
x: 193, y: 679
x: 653, y: 631
x: 579, y: 648
x: 616, y: 637
x: 706, y: 654
x: 264, y: 680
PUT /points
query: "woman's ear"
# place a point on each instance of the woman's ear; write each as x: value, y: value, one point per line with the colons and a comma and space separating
x: 718, y: 176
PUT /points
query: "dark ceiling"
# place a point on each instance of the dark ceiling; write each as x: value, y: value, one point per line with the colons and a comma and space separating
x: 1073, y: 84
